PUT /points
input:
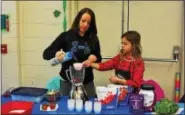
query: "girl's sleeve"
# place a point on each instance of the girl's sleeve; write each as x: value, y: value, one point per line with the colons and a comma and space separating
x: 109, y: 64
x: 97, y: 51
x: 55, y: 46
x: 137, y: 75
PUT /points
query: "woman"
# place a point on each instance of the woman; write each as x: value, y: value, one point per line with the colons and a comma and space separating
x: 82, y: 40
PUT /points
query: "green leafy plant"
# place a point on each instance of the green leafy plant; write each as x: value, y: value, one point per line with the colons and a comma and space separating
x: 166, y: 107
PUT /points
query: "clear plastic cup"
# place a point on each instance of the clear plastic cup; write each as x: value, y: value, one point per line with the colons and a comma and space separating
x: 71, y: 104
x: 88, y: 106
x: 97, y: 107
x: 79, y: 105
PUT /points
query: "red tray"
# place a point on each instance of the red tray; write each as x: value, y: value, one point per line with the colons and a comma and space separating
x: 17, y: 108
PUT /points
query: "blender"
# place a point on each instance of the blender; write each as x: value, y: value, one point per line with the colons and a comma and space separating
x: 76, y: 77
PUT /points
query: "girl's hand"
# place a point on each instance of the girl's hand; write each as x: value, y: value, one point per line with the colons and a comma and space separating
x: 87, y: 63
x: 113, y: 79
x: 60, y: 55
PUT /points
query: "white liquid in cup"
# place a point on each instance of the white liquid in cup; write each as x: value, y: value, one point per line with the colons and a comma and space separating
x: 79, y: 105
x: 97, y: 107
x: 71, y: 104
x: 88, y: 106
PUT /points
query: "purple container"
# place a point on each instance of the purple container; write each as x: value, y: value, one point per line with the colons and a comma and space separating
x: 136, y: 104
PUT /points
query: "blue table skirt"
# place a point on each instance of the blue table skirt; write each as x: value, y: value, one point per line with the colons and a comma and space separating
x: 63, y: 108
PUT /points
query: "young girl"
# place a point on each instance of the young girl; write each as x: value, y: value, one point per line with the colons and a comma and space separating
x: 128, y: 64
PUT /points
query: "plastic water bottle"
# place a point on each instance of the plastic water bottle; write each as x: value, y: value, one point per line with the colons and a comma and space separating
x: 68, y: 56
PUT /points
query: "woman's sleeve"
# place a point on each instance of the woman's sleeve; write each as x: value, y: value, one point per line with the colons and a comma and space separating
x: 137, y: 75
x: 97, y: 51
x: 109, y: 64
x: 55, y: 46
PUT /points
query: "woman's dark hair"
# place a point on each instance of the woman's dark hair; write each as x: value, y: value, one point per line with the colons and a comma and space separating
x: 135, y: 38
x: 92, y: 31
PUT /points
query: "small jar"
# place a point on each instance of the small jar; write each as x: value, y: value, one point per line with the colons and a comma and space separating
x: 148, y: 92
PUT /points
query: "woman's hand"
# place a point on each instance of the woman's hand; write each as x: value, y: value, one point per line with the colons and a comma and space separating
x: 60, y: 55
x: 114, y: 79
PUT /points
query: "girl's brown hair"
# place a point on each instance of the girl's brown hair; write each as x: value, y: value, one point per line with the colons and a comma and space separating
x: 133, y: 37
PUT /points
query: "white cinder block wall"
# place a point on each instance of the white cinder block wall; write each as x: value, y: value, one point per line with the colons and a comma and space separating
x: 10, y: 64
x: 40, y: 28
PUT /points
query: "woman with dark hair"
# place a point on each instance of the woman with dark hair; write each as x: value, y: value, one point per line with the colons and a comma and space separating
x: 82, y: 39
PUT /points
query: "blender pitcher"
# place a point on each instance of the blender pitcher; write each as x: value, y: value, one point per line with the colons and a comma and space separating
x: 76, y: 77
